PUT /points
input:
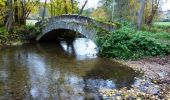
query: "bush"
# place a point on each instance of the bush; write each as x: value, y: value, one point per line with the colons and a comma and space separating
x: 3, y: 35
x: 17, y: 34
x: 31, y: 29
x: 127, y: 43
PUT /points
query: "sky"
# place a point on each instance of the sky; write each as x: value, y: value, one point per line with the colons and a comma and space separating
x: 90, y: 4
x: 93, y: 4
x: 166, y: 6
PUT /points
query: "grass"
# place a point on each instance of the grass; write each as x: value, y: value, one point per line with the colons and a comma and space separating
x: 162, y: 37
x: 164, y: 34
x: 162, y: 23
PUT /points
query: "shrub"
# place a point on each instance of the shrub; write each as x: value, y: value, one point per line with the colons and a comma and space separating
x: 3, y: 35
x: 127, y: 43
x: 17, y: 34
x: 32, y: 29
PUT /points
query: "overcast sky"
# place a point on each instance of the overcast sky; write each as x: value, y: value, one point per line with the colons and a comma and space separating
x: 93, y: 4
x: 166, y: 6
x: 90, y: 4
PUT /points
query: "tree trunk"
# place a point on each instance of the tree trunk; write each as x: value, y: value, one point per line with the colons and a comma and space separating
x: 16, y: 12
x: 9, y: 22
x: 72, y: 4
x: 153, y: 13
x: 43, y: 16
x: 140, y: 14
x: 51, y: 8
x: 65, y: 7
x: 23, y: 12
x: 81, y: 11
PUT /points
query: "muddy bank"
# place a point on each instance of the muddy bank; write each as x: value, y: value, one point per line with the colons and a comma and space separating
x: 156, y: 69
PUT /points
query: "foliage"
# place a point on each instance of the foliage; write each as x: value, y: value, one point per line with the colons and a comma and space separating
x: 3, y: 35
x: 120, y: 8
x: 58, y: 7
x: 31, y: 32
x: 14, y: 36
x: 136, y: 11
x: 100, y: 14
x: 3, y: 10
x: 127, y: 43
x: 88, y: 12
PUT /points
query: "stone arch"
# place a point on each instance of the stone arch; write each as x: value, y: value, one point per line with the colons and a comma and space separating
x: 80, y: 24
x: 80, y: 28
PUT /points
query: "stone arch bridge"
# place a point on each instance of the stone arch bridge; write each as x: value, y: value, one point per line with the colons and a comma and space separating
x: 80, y: 24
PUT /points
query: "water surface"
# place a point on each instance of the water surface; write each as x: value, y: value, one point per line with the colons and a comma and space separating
x: 59, y: 71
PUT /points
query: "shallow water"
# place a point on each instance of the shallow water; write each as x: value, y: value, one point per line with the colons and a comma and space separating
x: 59, y: 71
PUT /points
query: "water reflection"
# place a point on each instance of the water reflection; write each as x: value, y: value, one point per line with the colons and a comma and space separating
x: 55, y: 71
x: 86, y: 50
x: 38, y: 76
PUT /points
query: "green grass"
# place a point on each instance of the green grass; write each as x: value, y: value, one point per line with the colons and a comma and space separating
x: 162, y: 37
x: 162, y: 23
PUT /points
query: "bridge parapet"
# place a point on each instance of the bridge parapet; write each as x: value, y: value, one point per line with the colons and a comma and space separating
x: 83, y: 20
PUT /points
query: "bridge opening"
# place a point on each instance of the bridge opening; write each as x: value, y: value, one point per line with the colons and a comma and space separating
x: 61, y: 34
x: 73, y: 43
x: 81, y: 48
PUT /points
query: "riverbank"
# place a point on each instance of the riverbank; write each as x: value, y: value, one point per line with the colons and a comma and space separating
x: 156, y: 69
x: 154, y: 85
x: 12, y: 44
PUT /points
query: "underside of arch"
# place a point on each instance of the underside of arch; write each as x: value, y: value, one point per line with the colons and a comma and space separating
x: 52, y: 31
x: 56, y: 34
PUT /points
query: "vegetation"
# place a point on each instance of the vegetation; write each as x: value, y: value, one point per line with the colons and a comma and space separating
x: 19, y: 34
x: 128, y: 43
x: 165, y: 24
x: 15, y: 36
x: 58, y: 7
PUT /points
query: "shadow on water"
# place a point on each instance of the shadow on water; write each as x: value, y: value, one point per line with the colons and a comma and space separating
x: 67, y: 70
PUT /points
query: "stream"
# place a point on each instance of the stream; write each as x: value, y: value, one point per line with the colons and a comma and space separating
x: 66, y: 70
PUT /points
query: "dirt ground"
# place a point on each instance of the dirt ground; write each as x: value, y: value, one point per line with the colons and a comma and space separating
x: 157, y: 69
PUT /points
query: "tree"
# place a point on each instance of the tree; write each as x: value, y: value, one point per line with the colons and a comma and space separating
x: 15, y: 11
x: 154, y: 10
x: 62, y: 7
x: 9, y: 21
x: 107, y: 6
x: 3, y: 11
x: 117, y: 9
x: 43, y: 15
x: 99, y: 13
x: 51, y: 8
x: 140, y: 14
x: 65, y: 7
x: 26, y: 8
x: 81, y: 10
x: 88, y: 12
x: 72, y: 4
